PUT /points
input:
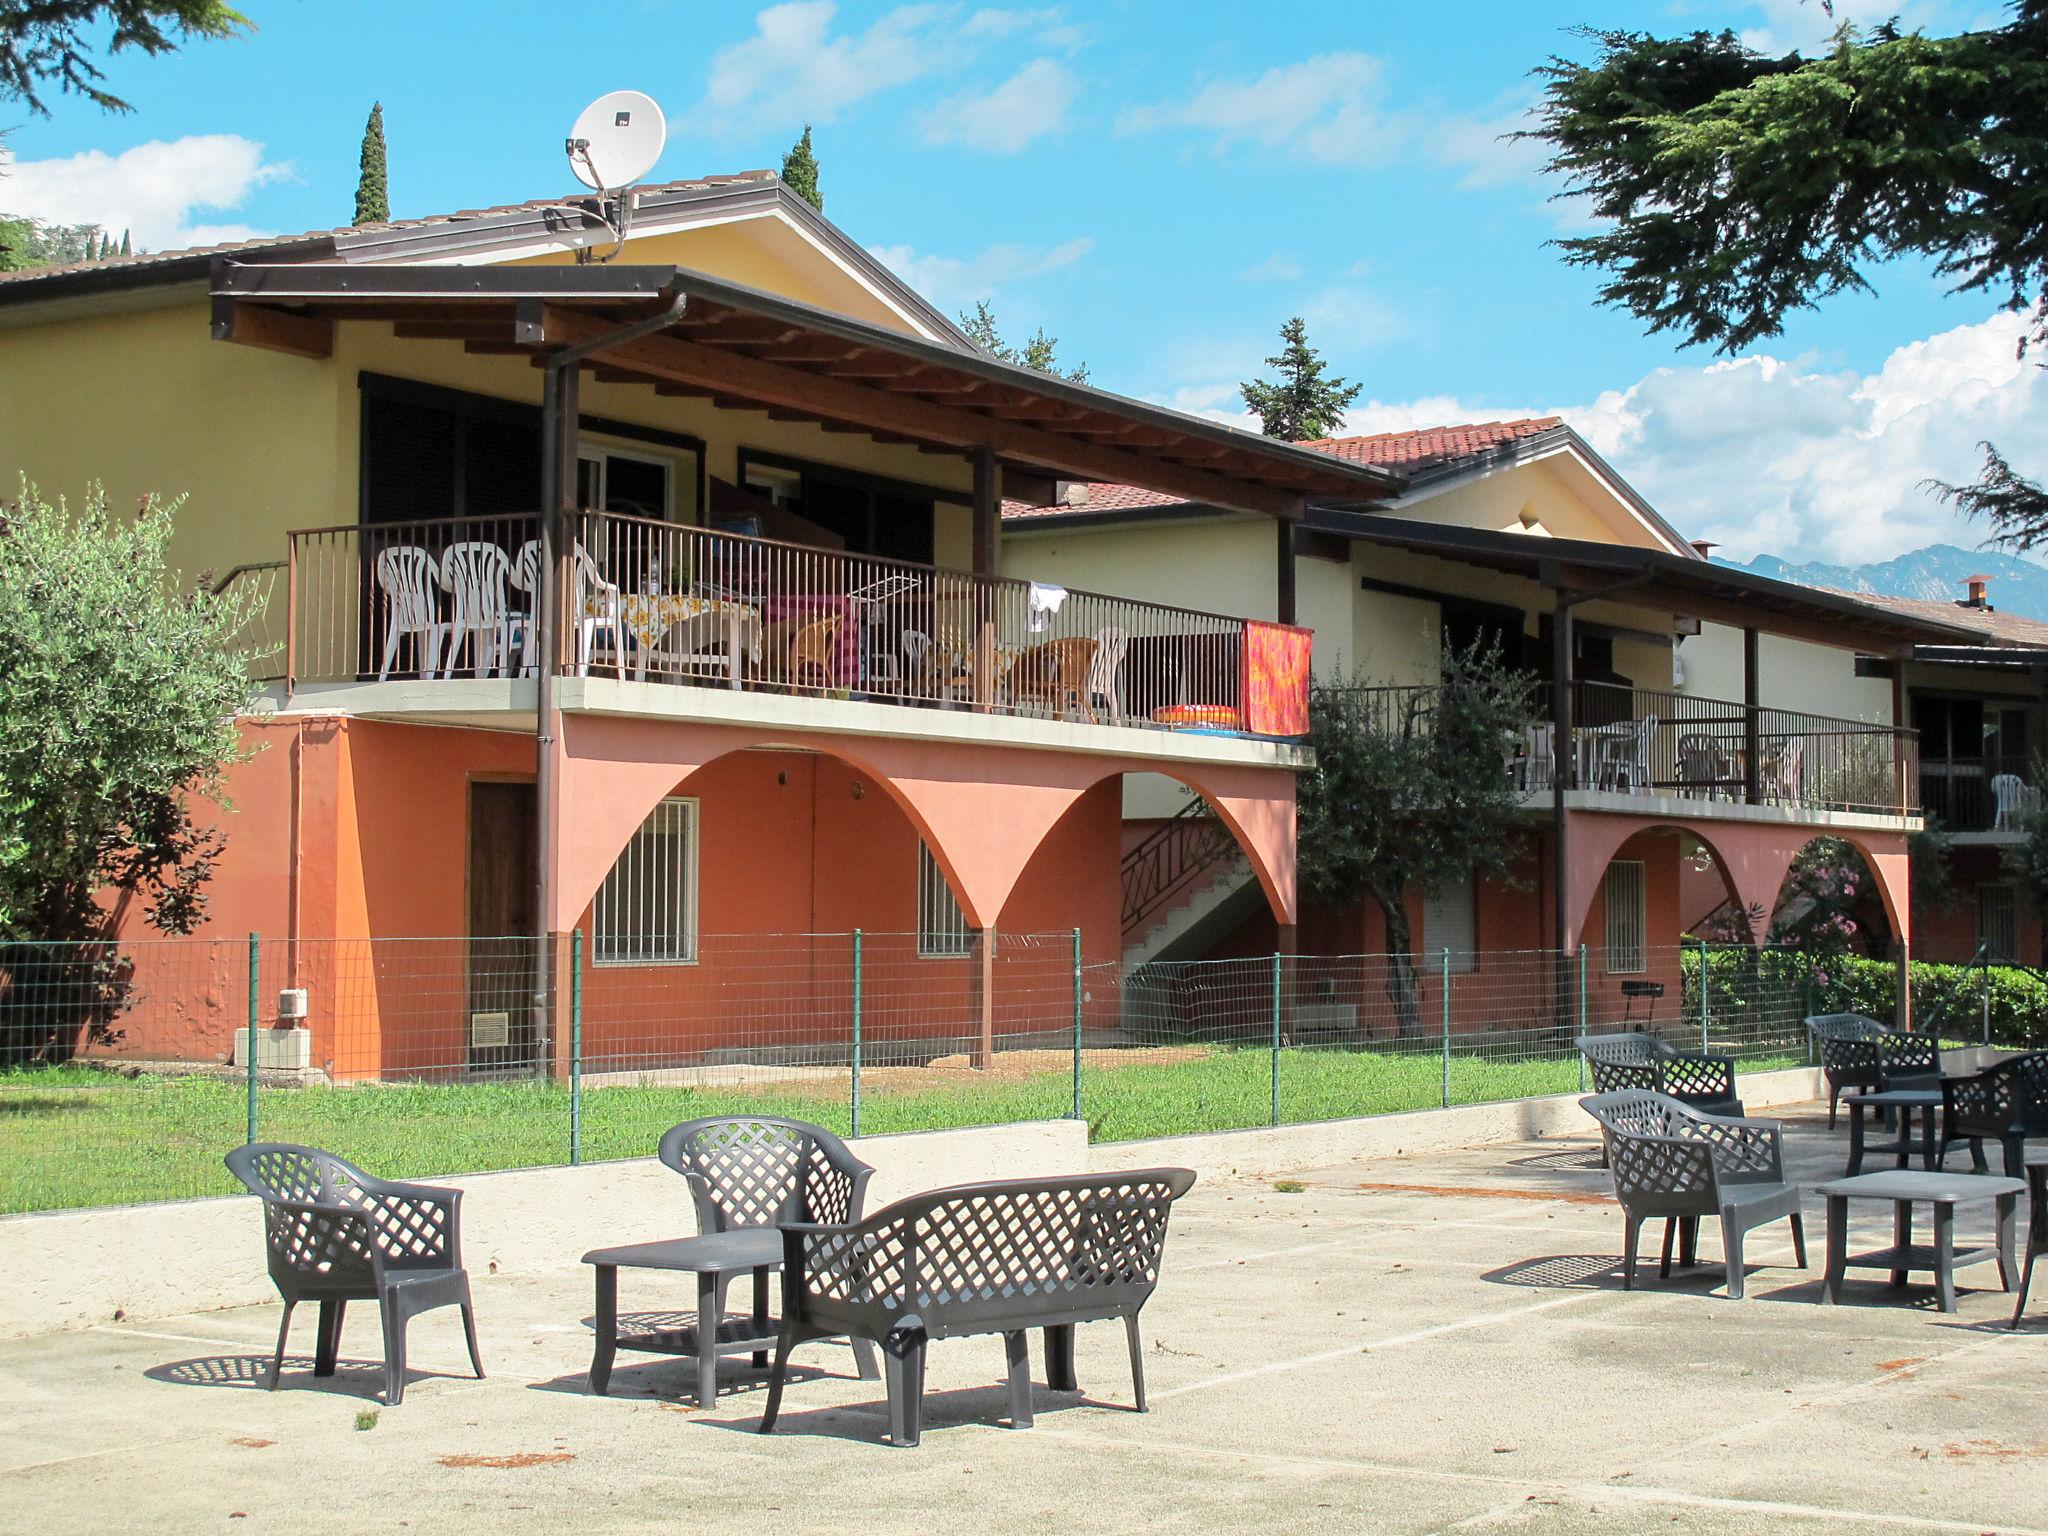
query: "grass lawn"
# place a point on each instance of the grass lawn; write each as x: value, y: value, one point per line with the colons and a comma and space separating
x: 83, y: 1136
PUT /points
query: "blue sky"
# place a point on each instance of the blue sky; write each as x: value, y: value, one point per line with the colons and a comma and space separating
x: 1159, y: 185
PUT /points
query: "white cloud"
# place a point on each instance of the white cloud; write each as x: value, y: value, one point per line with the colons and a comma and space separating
x: 796, y: 68
x: 1031, y: 103
x: 1770, y: 455
x: 1327, y: 109
x: 1807, y: 25
x: 1280, y: 267
x: 152, y: 190
x: 956, y: 282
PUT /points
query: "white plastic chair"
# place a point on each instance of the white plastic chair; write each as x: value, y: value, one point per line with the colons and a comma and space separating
x: 1789, y: 776
x: 525, y: 577
x: 597, y: 607
x: 410, y: 580
x: 2013, y: 799
x: 475, y: 573
x: 1105, y: 672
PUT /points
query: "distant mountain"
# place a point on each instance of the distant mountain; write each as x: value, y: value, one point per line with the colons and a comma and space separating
x: 1936, y: 573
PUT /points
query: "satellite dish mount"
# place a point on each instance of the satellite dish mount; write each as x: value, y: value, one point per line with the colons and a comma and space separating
x: 615, y: 142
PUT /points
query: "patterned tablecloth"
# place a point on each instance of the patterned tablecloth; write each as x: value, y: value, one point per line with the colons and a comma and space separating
x: 648, y: 616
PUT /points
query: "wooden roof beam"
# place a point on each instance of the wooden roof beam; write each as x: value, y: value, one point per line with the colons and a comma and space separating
x: 274, y: 330
x: 926, y: 421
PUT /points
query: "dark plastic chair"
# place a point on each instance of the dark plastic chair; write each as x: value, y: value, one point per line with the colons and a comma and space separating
x: 335, y: 1235
x: 1671, y: 1161
x: 1000, y: 1257
x: 1856, y: 1052
x: 752, y: 1171
x: 2037, y: 1233
x: 1628, y: 1059
x: 2006, y: 1102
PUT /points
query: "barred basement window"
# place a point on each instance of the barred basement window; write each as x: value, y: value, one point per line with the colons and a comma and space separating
x: 1628, y: 920
x: 1998, y: 921
x: 646, y: 912
x: 942, y: 929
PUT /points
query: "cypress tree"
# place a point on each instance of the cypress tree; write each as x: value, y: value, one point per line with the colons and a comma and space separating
x: 373, y: 191
x: 800, y: 171
x: 125, y: 248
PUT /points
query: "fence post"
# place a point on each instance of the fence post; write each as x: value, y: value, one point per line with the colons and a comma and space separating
x: 1984, y: 996
x: 1582, y: 1014
x: 1077, y: 1024
x: 855, y: 1125
x: 255, y: 971
x: 1706, y: 970
x: 1276, y: 1037
x: 575, y: 1046
x: 1444, y: 987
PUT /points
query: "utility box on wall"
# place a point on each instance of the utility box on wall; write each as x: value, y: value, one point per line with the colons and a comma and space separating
x: 277, y: 1050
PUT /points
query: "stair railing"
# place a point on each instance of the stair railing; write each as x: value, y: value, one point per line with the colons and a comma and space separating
x: 1169, y: 859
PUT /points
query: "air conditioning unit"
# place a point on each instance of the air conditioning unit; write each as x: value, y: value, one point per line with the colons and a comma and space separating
x: 490, y: 1030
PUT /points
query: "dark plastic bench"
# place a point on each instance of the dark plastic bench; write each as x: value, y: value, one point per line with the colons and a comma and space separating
x: 335, y: 1235
x: 1001, y: 1257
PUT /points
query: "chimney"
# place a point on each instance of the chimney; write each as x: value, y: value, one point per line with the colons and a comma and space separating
x: 1976, y: 587
x: 1704, y: 548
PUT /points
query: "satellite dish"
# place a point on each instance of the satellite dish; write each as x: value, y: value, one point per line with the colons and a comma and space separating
x: 616, y: 140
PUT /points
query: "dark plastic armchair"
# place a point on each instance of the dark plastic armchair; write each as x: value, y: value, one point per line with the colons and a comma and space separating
x: 999, y: 1257
x: 1856, y: 1052
x: 765, y: 1171
x: 2006, y: 1102
x: 335, y: 1235
x: 1627, y: 1059
x: 1671, y: 1161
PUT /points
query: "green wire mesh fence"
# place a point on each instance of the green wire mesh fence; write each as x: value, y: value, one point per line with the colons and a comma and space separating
x: 127, y: 1072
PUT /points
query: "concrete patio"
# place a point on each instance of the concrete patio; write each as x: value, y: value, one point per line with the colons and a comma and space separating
x: 1409, y: 1344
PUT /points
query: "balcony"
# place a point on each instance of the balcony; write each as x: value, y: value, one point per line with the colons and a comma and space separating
x: 1980, y: 796
x: 1641, y: 748
x: 447, y: 602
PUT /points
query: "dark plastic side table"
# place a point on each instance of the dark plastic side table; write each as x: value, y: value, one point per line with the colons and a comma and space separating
x: 715, y: 1259
x: 1906, y: 1102
x: 1905, y: 1188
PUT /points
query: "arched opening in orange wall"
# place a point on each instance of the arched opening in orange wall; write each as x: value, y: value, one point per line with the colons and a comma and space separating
x: 1831, y: 899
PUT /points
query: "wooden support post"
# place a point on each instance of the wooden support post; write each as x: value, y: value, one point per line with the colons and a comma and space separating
x: 988, y: 533
x: 1563, y: 769
x: 1284, y: 606
x: 1902, y: 755
x: 1752, y: 732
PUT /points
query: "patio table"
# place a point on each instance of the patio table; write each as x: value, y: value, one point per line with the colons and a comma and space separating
x: 648, y: 617
x: 1906, y: 1187
x: 714, y: 1258
x: 1904, y: 1102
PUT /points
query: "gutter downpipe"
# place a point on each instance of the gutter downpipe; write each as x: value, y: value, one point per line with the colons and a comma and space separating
x: 560, y: 416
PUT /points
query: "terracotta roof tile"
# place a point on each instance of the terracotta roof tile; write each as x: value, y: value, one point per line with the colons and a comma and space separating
x: 2006, y: 629
x: 1421, y: 448
x: 269, y: 242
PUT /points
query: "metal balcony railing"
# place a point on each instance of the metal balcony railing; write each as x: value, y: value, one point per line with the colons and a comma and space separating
x: 658, y: 602
x: 1641, y: 741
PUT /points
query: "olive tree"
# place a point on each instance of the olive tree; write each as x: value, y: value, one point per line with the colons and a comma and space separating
x: 1410, y: 792
x: 118, y: 696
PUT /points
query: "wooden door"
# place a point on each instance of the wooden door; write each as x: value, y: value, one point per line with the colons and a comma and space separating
x: 503, y: 1029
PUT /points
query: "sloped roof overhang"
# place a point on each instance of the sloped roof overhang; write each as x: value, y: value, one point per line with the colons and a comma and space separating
x: 750, y: 350
x: 1686, y: 585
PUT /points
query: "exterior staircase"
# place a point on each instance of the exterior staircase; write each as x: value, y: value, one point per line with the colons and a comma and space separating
x: 1185, y: 887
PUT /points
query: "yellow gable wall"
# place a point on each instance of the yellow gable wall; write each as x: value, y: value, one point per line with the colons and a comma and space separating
x: 761, y: 252
x: 1563, y: 497
x: 261, y: 443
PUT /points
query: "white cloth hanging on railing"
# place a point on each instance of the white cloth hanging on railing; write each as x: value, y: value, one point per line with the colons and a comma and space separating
x: 1044, y: 601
